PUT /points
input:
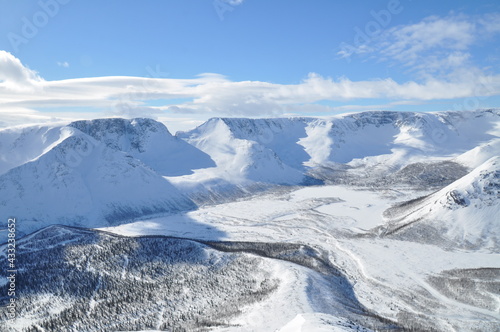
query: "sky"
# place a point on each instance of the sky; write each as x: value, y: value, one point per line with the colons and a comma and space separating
x: 184, y: 61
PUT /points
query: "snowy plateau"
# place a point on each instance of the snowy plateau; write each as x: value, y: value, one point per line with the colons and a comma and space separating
x: 371, y: 221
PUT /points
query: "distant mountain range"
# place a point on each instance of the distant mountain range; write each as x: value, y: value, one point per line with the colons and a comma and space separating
x: 87, y: 173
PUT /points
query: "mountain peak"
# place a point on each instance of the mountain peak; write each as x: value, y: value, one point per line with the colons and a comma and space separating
x: 123, y: 134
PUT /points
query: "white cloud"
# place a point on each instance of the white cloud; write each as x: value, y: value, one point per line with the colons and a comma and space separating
x: 15, y: 76
x: 16, y: 116
x: 215, y: 95
x: 64, y: 64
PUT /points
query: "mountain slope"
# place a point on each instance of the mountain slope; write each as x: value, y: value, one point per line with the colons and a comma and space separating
x: 149, y: 141
x: 241, y: 159
x: 75, y: 279
x: 480, y: 154
x: 82, y: 280
x: 19, y: 145
x: 464, y: 214
x: 81, y: 181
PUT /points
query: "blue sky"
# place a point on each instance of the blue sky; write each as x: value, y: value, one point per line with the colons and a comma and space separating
x: 263, y: 58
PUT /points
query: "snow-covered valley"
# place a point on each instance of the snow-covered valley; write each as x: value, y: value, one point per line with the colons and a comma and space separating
x: 390, y: 277
x: 358, y: 222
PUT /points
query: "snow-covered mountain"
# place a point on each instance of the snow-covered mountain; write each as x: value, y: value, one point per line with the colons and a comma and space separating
x: 463, y: 214
x: 144, y: 139
x: 298, y: 204
x: 399, y: 137
x: 109, y: 171
x: 149, y: 141
x: 81, y: 181
x: 19, y: 145
x: 236, y: 145
x: 380, y: 143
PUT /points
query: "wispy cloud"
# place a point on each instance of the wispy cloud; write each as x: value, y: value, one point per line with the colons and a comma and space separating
x: 434, y: 46
x: 64, y: 64
x: 409, y: 43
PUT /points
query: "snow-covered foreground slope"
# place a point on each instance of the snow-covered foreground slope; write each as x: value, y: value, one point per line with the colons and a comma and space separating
x: 114, y: 283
